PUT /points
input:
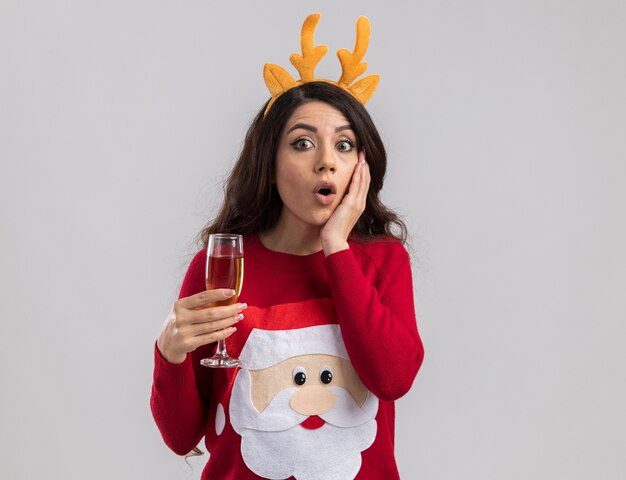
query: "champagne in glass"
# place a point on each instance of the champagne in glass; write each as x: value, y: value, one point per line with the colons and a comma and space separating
x: 224, y: 269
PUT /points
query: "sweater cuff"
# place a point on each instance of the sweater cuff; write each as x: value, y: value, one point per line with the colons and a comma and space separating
x: 342, y: 268
x: 179, y: 375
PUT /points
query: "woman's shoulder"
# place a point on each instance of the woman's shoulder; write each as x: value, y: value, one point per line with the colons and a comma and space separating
x: 198, y: 258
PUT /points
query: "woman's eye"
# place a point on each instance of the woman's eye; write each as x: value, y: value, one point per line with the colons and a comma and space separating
x: 302, y: 144
x: 345, y: 146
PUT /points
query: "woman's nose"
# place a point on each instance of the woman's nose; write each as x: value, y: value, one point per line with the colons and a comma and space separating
x: 325, y: 161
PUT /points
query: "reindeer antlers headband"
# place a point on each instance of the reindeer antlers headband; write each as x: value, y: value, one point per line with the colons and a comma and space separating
x: 278, y: 80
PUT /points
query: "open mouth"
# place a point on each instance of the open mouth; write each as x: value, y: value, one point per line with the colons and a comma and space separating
x: 325, y: 192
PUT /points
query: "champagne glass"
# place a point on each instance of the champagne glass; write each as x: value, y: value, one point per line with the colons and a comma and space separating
x: 224, y: 269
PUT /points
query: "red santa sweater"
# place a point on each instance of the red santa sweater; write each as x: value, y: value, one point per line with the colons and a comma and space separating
x: 369, y: 288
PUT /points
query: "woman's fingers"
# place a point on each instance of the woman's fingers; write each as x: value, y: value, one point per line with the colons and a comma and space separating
x: 357, y: 194
x: 364, y: 186
x: 185, y: 315
x: 356, y: 180
x: 359, y: 185
x: 212, y: 337
x: 202, y: 299
x: 356, y: 184
x: 213, y: 314
x: 197, y: 329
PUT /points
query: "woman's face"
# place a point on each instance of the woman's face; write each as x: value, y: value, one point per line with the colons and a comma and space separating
x: 316, y: 156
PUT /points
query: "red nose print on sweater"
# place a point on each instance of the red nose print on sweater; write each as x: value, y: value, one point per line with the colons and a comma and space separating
x: 313, y: 422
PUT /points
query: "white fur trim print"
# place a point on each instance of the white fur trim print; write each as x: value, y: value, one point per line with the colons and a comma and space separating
x: 220, y: 419
x: 265, y: 348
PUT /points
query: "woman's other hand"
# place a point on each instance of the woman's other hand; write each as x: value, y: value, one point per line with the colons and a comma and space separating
x: 334, y: 234
x: 192, y: 324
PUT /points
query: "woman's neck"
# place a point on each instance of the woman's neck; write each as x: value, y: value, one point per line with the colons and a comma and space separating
x: 292, y: 239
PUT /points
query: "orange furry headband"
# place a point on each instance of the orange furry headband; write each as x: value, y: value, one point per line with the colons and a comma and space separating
x: 278, y: 80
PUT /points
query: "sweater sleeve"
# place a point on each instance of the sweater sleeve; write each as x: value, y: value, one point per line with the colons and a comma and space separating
x: 378, y: 327
x: 177, y: 407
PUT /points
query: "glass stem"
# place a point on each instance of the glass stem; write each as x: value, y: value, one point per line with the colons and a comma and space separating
x: 221, y: 349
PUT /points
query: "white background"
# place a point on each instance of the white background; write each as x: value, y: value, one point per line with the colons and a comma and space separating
x: 505, y: 125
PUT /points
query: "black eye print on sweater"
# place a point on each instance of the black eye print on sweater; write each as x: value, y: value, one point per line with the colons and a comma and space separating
x: 299, y: 375
x: 326, y: 376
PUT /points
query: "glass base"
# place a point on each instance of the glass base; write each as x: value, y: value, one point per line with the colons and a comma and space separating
x: 220, y: 361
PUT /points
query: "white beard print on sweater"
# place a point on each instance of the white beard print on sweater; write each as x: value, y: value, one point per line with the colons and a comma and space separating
x: 275, y: 446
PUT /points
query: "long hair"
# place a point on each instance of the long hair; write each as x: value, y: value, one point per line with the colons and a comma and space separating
x: 251, y: 201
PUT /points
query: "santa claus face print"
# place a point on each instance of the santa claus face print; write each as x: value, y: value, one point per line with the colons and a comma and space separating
x: 308, y: 416
x: 316, y: 157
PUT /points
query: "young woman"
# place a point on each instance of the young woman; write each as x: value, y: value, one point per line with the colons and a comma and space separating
x: 325, y: 323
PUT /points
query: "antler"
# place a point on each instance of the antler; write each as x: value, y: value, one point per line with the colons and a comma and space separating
x: 311, y: 55
x: 351, y: 64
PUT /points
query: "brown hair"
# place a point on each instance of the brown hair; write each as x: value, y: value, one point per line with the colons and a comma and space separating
x: 251, y: 201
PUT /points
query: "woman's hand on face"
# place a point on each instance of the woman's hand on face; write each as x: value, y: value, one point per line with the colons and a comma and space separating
x: 192, y: 324
x: 334, y: 234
